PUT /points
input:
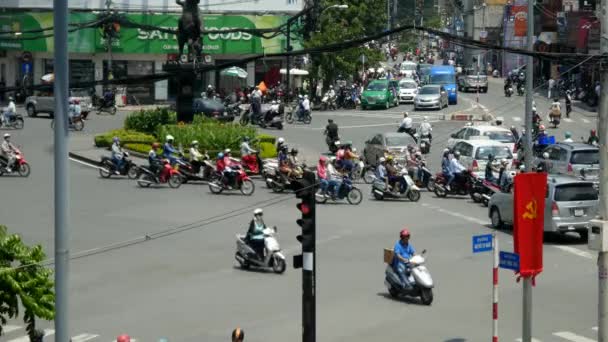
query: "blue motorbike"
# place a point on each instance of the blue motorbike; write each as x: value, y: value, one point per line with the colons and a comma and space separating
x: 347, y: 191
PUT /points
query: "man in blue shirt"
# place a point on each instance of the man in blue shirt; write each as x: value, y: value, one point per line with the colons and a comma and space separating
x: 169, y: 150
x: 403, y: 251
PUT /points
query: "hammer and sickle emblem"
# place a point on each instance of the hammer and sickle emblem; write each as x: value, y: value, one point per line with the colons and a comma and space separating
x: 531, y: 210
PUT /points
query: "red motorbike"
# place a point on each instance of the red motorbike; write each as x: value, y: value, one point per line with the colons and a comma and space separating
x: 239, y: 181
x: 252, y: 164
x: 167, y: 175
x: 462, y: 184
x: 20, y: 165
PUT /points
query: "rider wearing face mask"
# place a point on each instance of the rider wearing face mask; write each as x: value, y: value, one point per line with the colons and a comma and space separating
x: 255, y: 234
x: 402, y: 252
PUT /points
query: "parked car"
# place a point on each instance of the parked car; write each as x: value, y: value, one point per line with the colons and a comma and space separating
x: 474, y: 153
x: 574, y: 159
x: 470, y: 80
x: 46, y: 103
x: 431, y: 96
x: 380, y: 93
x: 496, y: 133
x: 569, y: 205
x: 212, y: 108
x: 408, y: 88
x: 395, y: 143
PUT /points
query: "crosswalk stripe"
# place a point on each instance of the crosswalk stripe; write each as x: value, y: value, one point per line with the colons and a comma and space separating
x: 83, y: 337
x: 10, y: 328
x: 516, y: 118
x: 47, y: 332
x: 586, y: 121
x: 567, y: 119
x: 594, y: 328
x: 572, y: 337
x: 533, y: 340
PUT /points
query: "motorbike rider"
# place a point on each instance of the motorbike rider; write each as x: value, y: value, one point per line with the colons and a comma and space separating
x: 294, y: 163
x: 426, y: 129
x: 381, y: 172
x: 154, y: 159
x: 280, y: 144
x: 327, y: 181
x: 489, y: 171
x: 74, y: 110
x: 515, y: 133
x: 247, y: 152
x: 503, y: 175
x: 8, y: 152
x: 304, y: 107
x: 508, y: 84
x: 108, y: 99
x: 196, y: 157
x: 331, y: 131
x: 349, y: 157
x: 402, y: 252
x: 593, y: 138
x: 446, y: 169
x: 568, y: 103
x: 568, y: 137
x: 255, y: 233
x: 556, y: 109
x: 117, y: 155
x: 284, y: 167
x: 272, y: 112
x: 455, y: 165
x: 393, y: 176
x: 544, y: 164
x: 223, y: 166
x: 238, y: 335
x: 406, y: 125
x: 256, y: 103
x: 169, y: 150
x: 209, y: 93
x: 9, y: 111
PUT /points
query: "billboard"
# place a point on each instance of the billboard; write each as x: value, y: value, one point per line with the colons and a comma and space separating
x: 520, y: 14
x: 206, y: 6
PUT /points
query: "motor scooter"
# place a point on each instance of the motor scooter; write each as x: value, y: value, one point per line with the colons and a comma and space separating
x: 462, y: 185
x: 425, y: 143
x: 15, y: 121
x: 509, y: 91
x: 167, y: 175
x: 554, y: 119
x: 272, y: 118
x: 20, y: 165
x: 273, y: 257
x: 346, y: 191
x: 241, y: 182
x: 420, y: 280
x: 411, y: 191
x: 108, y: 168
x: 252, y: 163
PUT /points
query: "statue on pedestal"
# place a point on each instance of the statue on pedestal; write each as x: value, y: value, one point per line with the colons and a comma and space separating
x: 189, y: 28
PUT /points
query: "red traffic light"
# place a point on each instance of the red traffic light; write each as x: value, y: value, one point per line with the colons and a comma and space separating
x: 304, y: 208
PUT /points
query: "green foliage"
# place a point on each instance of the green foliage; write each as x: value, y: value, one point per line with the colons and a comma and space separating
x: 211, y: 135
x: 361, y: 18
x: 24, y: 283
x: 125, y: 136
x: 141, y: 148
x: 149, y: 120
x: 266, y: 144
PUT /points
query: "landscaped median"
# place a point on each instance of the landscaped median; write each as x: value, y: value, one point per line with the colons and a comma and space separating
x: 147, y: 126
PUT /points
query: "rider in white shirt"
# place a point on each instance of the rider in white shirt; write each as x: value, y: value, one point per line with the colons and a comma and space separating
x: 426, y: 128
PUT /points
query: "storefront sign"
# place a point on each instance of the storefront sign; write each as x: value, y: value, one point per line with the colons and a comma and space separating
x: 135, y: 40
x: 520, y: 14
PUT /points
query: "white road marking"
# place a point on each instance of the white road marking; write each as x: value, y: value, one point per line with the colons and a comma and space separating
x: 10, y: 328
x: 83, y: 337
x: 594, y: 328
x: 567, y: 119
x: 586, y: 121
x: 572, y: 337
x: 533, y: 340
x: 575, y: 251
x: 47, y: 332
x: 84, y: 163
x: 516, y: 118
x: 396, y: 124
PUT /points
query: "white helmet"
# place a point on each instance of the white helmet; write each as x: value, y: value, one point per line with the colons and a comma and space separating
x: 546, y: 155
x: 503, y: 161
x: 6, y: 135
x: 258, y: 211
x: 280, y: 140
x: 226, y: 151
x: 337, y: 143
x: 169, y: 137
x: 274, y: 102
x: 382, y: 159
x: 194, y: 142
x: 426, y: 118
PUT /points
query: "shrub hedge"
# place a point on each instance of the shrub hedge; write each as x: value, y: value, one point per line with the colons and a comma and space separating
x: 125, y: 136
x: 149, y: 120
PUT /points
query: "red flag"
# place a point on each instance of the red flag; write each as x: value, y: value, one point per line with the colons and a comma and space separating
x: 528, y: 219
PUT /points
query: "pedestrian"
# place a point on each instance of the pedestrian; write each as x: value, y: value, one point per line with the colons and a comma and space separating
x: 551, y: 86
x: 238, y: 335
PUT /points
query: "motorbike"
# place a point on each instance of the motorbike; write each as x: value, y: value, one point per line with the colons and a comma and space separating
x: 346, y: 191
x: 241, y: 182
x: 333, y: 144
x: 462, y: 185
x: 520, y: 90
x: 107, y: 167
x: 205, y: 172
x: 328, y: 102
x: 361, y: 171
x: 495, y: 73
x: 273, y: 256
x: 411, y: 192
x: 419, y: 278
x: 167, y: 175
x: 107, y: 107
x: 253, y: 164
x: 483, y: 191
x: 278, y: 182
x: 425, y: 144
x: 509, y: 91
x: 20, y: 166
x: 428, y: 180
x: 76, y: 123
x: 15, y: 121
x: 555, y: 119
x: 304, y: 117
x: 272, y: 118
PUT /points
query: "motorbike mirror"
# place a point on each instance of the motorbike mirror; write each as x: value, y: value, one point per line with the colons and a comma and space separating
x: 423, y: 251
x: 275, y: 229
x: 453, y: 135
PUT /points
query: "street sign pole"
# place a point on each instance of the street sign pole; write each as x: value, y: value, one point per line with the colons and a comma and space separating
x: 494, y: 288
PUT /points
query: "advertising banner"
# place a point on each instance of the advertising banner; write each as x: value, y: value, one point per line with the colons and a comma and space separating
x: 135, y: 40
x: 529, y: 218
x: 520, y: 14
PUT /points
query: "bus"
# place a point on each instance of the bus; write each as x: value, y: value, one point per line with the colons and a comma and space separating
x: 445, y: 75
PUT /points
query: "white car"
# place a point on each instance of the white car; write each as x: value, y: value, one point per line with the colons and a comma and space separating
x: 495, y: 133
x: 408, y: 88
x: 474, y: 153
x: 408, y: 69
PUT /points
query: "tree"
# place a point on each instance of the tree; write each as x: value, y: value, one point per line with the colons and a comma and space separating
x: 24, y: 283
x: 361, y: 18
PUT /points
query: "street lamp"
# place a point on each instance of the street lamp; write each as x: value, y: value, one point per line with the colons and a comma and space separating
x: 288, y: 47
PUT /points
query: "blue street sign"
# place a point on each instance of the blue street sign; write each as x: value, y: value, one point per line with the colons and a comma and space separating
x: 482, y: 243
x: 26, y: 68
x: 509, y: 261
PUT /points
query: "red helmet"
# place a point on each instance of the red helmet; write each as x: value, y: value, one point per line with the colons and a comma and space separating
x: 76, y: 101
x: 404, y: 232
x: 155, y: 145
x: 541, y: 127
x: 593, y: 132
x: 123, y: 338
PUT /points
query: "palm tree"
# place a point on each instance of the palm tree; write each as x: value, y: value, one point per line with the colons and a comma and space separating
x: 24, y: 284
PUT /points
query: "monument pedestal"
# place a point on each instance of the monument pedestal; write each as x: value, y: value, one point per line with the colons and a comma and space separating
x: 185, y: 78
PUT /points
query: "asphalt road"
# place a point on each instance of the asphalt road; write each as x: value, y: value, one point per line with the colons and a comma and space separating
x: 184, y: 284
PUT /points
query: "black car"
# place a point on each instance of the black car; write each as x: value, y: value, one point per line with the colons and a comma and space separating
x: 212, y: 108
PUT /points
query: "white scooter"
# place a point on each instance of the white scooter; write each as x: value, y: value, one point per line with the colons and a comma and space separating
x: 273, y: 257
x: 412, y: 192
x: 420, y: 280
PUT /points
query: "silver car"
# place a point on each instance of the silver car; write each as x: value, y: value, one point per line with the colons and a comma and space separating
x: 395, y: 143
x: 570, y: 204
x: 431, y: 96
x: 573, y: 159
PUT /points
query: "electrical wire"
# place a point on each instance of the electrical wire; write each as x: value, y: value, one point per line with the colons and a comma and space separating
x: 163, y: 233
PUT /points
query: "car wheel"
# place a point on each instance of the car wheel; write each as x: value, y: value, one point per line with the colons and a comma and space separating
x: 496, y: 219
x: 31, y: 110
x: 388, y: 105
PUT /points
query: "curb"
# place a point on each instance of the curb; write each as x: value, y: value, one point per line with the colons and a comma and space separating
x: 84, y: 159
x: 471, y: 117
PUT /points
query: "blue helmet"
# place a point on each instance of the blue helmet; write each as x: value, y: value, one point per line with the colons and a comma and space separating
x: 220, y: 155
x: 115, y: 139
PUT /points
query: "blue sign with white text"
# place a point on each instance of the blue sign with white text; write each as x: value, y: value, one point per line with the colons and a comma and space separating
x: 482, y: 243
x: 509, y: 261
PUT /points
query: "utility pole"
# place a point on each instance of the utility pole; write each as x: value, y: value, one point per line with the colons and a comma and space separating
x: 61, y: 192
x: 527, y: 281
x: 469, y: 29
x: 388, y: 18
x: 109, y: 41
